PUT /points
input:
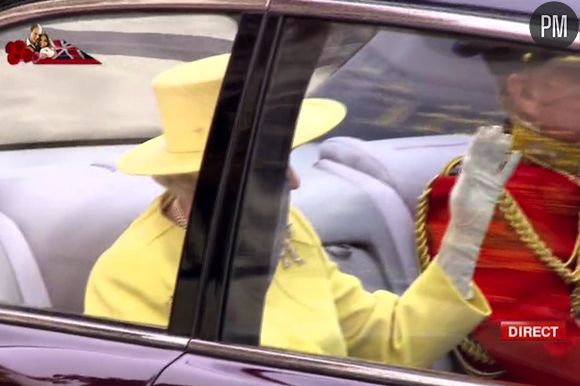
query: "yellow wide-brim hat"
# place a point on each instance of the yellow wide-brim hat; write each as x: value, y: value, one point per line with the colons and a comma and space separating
x: 187, y: 95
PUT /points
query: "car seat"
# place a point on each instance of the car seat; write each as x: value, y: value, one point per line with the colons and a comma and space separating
x: 20, y: 278
x: 348, y: 210
x: 361, y: 196
x: 57, y: 220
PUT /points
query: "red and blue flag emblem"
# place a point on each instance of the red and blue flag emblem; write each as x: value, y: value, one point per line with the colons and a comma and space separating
x: 66, y: 53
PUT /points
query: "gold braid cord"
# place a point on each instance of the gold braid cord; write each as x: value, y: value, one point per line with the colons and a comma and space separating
x: 526, y: 233
x: 421, y: 239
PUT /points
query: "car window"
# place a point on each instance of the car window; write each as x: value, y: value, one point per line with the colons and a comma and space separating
x: 86, y: 204
x: 423, y: 162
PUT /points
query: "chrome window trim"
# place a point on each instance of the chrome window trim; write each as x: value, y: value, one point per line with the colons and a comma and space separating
x: 405, y: 15
x: 86, y: 327
x: 64, y: 8
x: 344, y: 368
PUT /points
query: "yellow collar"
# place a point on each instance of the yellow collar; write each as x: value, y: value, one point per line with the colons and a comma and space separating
x: 551, y: 153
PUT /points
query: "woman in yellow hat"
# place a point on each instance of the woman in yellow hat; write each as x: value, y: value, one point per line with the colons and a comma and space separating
x: 310, y: 306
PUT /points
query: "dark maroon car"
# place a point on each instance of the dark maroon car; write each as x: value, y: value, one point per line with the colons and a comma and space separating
x: 414, y: 99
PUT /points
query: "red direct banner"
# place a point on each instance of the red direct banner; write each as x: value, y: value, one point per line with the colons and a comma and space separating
x: 534, y: 330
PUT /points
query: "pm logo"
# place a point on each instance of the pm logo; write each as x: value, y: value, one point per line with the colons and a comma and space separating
x: 554, y: 25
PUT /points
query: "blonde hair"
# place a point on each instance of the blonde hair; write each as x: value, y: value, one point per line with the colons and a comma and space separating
x: 180, y: 185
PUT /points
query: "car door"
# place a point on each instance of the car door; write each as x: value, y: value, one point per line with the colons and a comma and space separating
x: 414, y: 98
x: 63, y: 201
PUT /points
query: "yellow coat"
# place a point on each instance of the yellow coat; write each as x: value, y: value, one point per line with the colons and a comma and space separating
x: 311, y: 308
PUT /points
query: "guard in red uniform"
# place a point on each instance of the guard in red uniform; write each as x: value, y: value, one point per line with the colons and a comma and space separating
x: 529, y: 266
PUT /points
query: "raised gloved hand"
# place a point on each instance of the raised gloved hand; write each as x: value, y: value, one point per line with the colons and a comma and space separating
x: 487, y: 166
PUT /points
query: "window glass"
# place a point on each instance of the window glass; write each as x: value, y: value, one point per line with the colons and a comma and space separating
x: 376, y: 256
x: 91, y: 216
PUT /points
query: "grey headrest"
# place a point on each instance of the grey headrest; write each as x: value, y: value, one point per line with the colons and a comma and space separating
x: 405, y: 164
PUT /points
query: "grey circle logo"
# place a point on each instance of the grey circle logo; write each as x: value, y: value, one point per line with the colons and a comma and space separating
x: 554, y: 25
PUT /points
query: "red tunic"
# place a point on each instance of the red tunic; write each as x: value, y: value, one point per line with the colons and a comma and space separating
x: 518, y: 286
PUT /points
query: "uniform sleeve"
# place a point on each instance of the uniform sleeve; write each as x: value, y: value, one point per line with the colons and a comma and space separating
x: 415, y: 329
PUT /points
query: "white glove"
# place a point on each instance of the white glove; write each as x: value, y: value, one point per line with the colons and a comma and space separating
x: 487, y: 166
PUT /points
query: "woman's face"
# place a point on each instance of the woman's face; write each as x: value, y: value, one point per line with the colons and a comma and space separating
x: 43, y: 41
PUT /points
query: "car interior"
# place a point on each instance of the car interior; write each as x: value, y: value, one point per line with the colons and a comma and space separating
x: 55, y: 221
x: 88, y: 206
x: 58, y: 217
